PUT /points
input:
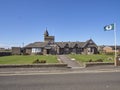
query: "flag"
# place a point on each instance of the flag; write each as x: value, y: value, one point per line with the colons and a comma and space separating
x: 109, y: 27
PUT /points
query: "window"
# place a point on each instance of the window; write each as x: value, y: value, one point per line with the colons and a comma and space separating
x: 36, y: 50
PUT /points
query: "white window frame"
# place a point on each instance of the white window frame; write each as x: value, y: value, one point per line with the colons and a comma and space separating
x: 36, y: 50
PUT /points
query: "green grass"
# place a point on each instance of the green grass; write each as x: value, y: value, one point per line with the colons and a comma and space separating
x: 28, y: 59
x: 86, y: 58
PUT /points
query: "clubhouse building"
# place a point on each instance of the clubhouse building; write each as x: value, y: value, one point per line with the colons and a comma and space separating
x: 49, y: 46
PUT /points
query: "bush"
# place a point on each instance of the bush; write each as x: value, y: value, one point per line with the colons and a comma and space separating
x: 43, y: 61
x: 5, y: 53
x: 110, y: 58
x: 99, y: 60
x: 38, y: 61
x: 90, y: 60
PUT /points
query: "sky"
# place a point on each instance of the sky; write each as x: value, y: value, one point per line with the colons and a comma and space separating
x: 25, y: 21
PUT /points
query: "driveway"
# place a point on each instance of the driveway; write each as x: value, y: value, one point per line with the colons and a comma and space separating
x: 71, y: 63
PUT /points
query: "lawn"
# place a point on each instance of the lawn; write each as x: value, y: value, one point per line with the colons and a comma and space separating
x: 28, y: 59
x: 86, y: 58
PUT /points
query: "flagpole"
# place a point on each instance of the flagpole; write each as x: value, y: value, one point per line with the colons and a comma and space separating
x: 115, y: 61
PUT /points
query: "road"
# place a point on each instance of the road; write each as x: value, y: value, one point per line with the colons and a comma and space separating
x: 73, y: 81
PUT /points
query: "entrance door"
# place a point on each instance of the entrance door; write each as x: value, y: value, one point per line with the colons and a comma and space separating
x: 48, y: 51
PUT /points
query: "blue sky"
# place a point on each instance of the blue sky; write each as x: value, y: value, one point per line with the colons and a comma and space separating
x: 24, y: 21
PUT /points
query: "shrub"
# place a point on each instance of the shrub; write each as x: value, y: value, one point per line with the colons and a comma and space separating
x: 99, y: 60
x: 43, y: 61
x: 110, y: 58
x: 90, y: 60
x: 38, y: 61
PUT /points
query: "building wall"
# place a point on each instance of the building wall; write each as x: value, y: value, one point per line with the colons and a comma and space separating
x: 107, y: 49
x: 16, y: 50
x: 66, y: 50
x: 28, y: 51
x: 89, y: 50
x: 49, y: 38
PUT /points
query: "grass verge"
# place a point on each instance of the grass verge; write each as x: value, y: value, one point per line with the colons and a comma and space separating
x: 86, y: 58
x: 28, y: 59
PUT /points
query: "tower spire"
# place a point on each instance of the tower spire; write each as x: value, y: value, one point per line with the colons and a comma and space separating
x: 46, y: 32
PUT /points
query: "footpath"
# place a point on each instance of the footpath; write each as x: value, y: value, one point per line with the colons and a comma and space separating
x: 39, y: 71
x: 66, y: 60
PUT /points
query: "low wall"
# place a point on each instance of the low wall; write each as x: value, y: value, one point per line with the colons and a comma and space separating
x: 35, y: 66
x: 89, y: 64
x: 5, y: 53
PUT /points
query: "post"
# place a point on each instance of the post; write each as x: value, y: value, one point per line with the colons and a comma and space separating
x: 115, y: 61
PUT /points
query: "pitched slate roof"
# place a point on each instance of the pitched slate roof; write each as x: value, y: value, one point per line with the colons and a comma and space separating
x: 60, y: 44
x: 70, y: 44
x: 90, y: 44
x: 36, y: 44
x: 81, y: 44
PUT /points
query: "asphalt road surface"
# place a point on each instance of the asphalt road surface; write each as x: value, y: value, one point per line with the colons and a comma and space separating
x: 74, y: 81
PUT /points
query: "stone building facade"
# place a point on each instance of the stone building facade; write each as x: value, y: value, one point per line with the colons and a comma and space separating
x: 109, y: 49
x: 16, y: 50
x: 49, y: 46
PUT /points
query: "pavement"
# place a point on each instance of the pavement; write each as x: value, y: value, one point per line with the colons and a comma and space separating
x: 38, y: 71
